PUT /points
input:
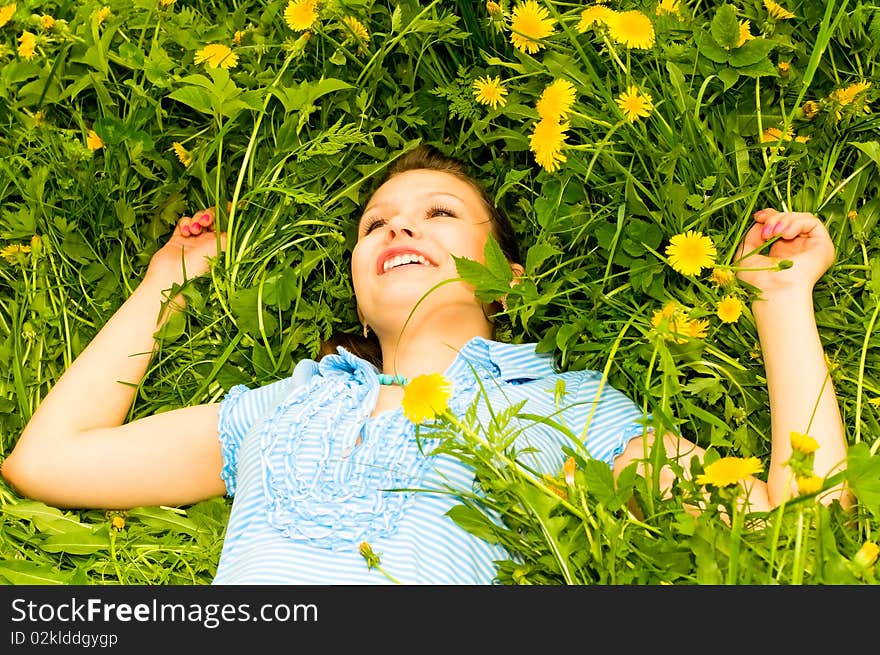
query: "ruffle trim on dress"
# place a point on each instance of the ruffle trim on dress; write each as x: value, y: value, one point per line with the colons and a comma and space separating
x: 229, y: 437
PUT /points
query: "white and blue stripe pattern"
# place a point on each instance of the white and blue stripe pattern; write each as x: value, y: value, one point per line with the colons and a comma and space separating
x: 307, y: 493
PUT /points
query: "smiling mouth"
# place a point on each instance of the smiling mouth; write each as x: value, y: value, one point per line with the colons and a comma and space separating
x: 404, y: 260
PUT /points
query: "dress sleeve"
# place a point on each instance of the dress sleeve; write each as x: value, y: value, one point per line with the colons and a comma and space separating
x: 242, y: 408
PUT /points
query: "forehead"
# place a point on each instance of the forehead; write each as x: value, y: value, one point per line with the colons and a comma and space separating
x: 421, y: 185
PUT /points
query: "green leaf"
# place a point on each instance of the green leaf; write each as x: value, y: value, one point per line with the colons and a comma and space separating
x: 248, y: 314
x: 20, y: 572
x: 600, y: 481
x: 497, y: 262
x: 751, y: 52
x: 195, y: 97
x: 538, y: 254
x: 863, y: 475
x: 725, y: 27
x: 77, y: 542
x: 45, y: 518
x: 475, y: 522
x: 296, y: 98
x: 164, y: 519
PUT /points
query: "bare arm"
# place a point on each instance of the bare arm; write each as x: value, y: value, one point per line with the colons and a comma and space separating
x: 797, y: 375
x: 76, y: 450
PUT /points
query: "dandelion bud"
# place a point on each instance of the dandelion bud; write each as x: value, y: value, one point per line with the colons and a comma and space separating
x: 867, y: 555
x: 366, y: 551
x: 809, y: 484
x: 811, y: 108
x: 784, y: 264
x: 36, y: 245
x: 117, y: 522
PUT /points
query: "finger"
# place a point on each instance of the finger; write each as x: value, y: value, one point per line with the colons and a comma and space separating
x: 789, y: 225
x: 184, y: 225
x: 205, y: 217
x: 766, y: 214
x: 195, y: 228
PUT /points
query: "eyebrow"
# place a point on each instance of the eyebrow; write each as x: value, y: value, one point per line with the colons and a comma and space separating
x: 428, y: 195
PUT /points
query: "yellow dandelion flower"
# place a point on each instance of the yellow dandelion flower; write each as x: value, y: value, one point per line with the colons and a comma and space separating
x: 102, y: 14
x: 238, y: 37
x: 93, y: 141
x: 875, y: 401
x: 803, y: 443
x: 745, y: 32
x: 166, y: 3
x: 15, y: 253
x: 811, y: 108
x: 47, y: 22
x: 667, y: 7
x: 784, y: 67
x: 776, y: 10
x: 300, y: 15
x: 635, y: 104
x: 27, y: 44
x: 182, y: 153
x: 695, y: 328
x: 546, y: 142
x: 631, y: 28
x: 773, y: 134
x: 721, y: 277
x: 691, y: 252
x: 357, y: 28
x: 490, y: 91
x: 730, y: 470
x: 6, y: 13
x: 493, y: 8
x: 117, y: 522
x: 556, y: 100
x: 846, y: 96
x: 809, y: 484
x: 594, y: 15
x: 666, y: 312
x: 568, y: 469
x: 867, y: 555
x: 729, y: 309
x: 39, y: 117
x: 217, y: 54
x: 529, y: 23
x: 425, y: 397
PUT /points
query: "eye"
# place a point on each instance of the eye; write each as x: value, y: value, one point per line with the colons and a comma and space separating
x: 437, y: 210
x: 372, y: 224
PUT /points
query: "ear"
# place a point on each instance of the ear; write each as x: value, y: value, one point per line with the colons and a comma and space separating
x: 518, y: 272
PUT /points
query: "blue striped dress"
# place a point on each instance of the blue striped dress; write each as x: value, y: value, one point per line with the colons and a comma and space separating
x: 313, y: 476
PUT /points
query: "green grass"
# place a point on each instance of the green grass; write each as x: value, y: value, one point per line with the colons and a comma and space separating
x: 294, y: 135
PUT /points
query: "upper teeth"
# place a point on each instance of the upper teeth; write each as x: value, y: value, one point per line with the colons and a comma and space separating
x: 403, y: 259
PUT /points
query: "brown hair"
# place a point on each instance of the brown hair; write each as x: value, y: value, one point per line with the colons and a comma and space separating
x: 426, y: 156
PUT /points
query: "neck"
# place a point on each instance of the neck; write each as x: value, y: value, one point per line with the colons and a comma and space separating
x: 429, y: 349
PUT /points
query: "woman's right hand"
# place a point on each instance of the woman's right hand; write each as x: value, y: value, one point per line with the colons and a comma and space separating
x: 187, y: 253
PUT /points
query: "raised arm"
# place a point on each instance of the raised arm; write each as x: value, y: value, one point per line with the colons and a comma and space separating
x: 802, y: 396
x: 76, y: 450
x: 800, y: 391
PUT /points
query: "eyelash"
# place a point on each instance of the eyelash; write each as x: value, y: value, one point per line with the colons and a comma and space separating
x: 432, y: 211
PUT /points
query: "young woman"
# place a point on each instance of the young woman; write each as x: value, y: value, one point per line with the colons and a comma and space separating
x: 325, y: 460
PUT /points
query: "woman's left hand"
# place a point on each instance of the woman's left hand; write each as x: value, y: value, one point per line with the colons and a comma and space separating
x: 803, y: 240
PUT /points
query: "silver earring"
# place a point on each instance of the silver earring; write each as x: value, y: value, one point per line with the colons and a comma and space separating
x: 366, y: 330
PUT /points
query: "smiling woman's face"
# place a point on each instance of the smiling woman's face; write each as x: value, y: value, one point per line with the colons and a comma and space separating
x: 412, y: 226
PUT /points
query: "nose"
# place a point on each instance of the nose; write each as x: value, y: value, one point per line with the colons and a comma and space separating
x: 400, y: 225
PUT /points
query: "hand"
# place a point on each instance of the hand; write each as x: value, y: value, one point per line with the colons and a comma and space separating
x: 186, y: 254
x: 803, y: 240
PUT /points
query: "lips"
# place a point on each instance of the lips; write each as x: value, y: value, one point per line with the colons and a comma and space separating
x: 397, y: 257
